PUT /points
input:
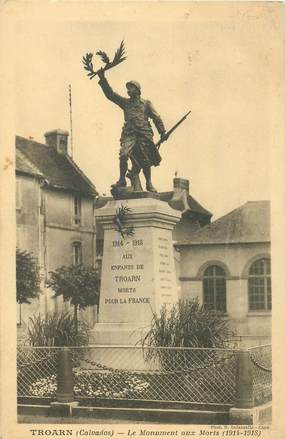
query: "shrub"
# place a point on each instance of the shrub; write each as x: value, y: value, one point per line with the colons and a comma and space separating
x: 187, y: 324
x: 57, y: 330
x: 27, y: 277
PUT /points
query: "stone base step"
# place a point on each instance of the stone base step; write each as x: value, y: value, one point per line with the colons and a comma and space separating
x: 162, y: 415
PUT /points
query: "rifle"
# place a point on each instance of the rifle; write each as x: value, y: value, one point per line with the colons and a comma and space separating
x: 169, y: 132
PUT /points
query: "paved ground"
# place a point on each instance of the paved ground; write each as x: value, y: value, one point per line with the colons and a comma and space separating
x: 37, y: 419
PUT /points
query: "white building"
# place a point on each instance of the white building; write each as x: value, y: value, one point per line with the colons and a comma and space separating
x: 54, y: 213
x: 226, y: 264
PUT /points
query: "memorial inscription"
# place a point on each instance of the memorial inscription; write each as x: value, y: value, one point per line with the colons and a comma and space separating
x: 138, y: 273
x: 125, y: 276
x: 165, y: 279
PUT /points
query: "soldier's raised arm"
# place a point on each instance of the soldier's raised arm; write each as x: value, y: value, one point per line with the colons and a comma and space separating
x: 109, y: 92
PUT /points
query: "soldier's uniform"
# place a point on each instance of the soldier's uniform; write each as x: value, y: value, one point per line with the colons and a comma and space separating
x: 137, y: 135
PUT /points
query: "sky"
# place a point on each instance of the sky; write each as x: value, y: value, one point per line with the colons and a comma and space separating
x: 218, y: 60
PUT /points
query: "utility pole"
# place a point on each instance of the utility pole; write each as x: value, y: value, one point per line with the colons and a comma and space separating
x: 70, y: 117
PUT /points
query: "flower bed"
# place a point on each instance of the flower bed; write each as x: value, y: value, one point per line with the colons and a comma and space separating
x: 150, y: 386
x: 122, y: 385
x: 44, y: 387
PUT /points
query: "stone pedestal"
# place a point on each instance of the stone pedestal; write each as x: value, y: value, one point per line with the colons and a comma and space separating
x: 138, y: 274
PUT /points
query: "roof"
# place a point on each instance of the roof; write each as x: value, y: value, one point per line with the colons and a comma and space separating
x: 24, y: 165
x: 193, y: 205
x: 59, y: 170
x: 248, y: 223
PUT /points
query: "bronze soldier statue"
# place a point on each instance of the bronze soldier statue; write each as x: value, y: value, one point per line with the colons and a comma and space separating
x: 137, y: 135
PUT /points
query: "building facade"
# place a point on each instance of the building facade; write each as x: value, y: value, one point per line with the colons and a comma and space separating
x: 54, y: 214
x: 227, y: 265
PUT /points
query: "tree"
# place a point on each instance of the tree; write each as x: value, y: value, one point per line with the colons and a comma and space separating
x: 76, y: 283
x: 27, y: 276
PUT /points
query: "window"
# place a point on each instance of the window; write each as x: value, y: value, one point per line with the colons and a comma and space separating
x: 77, y: 210
x: 99, y: 254
x: 76, y: 253
x: 214, y: 288
x: 259, y: 285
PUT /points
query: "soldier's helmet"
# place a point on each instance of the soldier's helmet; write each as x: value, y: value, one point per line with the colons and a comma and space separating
x: 135, y: 84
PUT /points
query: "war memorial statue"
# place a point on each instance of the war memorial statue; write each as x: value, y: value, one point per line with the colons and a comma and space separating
x: 136, y: 143
x: 138, y: 229
x: 137, y: 134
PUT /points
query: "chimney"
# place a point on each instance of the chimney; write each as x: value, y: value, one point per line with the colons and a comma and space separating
x: 181, y: 184
x: 58, y: 140
x: 179, y: 200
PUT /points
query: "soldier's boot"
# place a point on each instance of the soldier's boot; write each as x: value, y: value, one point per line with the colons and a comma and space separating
x: 134, y: 176
x: 137, y: 183
x: 123, y: 169
x: 147, y: 174
x: 135, y: 180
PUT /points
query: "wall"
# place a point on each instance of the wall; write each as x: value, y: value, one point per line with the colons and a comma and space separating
x: 27, y: 232
x: 45, y: 228
x: 235, y: 259
x: 59, y: 211
x: 61, y: 233
x: 27, y: 214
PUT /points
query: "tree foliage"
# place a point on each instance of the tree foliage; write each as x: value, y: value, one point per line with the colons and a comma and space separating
x: 78, y: 284
x: 187, y: 324
x: 27, y: 276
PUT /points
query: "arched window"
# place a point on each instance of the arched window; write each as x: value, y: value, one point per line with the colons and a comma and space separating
x: 214, y: 288
x: 259, y: 285
x: 77, y: 253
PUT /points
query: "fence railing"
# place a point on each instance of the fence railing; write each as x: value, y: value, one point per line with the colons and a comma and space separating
x: 247, y: 341
x: 130, y: 373
x: 261, y: 360
x: 37, y: 371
